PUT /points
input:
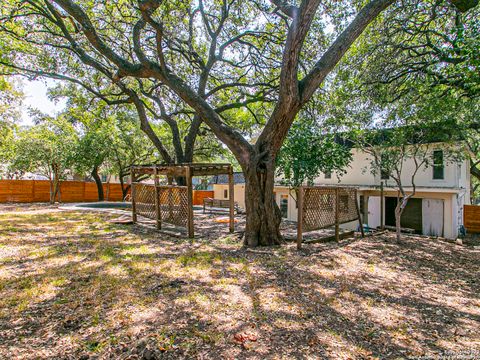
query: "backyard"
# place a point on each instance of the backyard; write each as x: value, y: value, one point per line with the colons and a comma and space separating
x: 74, y: 285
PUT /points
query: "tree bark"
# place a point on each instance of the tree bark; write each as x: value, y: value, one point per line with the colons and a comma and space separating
x: 98, y: 181
x: 474, y: 170
x: 398, y: 219
x: 52, y: 192
x: 125, y: 191
x: 124, y: 188
x: 55, y: 185
x: 263, y: 215
x: 55, y: 191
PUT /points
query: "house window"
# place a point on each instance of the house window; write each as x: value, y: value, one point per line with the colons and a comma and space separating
x: 284, y: 205
x: 104, y: 178
x: 225, y: 194
x: 438, y: 166
x: 328, y: 175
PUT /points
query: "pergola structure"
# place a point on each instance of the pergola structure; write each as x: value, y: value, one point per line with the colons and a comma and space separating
x: 170, y: 203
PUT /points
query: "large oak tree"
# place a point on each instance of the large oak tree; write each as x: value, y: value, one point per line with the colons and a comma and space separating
x: 275, y: 50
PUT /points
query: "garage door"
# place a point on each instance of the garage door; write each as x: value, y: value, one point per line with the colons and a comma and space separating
x: 432, y: 217
x: 411, y: 216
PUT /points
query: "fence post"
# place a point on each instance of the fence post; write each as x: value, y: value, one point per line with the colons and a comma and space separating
x: 132, y: 189
x: 170, y: 198
x: 382, y: 220
x: 300, y: 218
x: 358, y: 214
x: 337, y: 208
x: 157, y: 199
x: 188, y: 175
x: 231, y: 190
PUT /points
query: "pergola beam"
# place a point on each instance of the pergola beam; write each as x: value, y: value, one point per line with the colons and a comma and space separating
x: 181, y: 169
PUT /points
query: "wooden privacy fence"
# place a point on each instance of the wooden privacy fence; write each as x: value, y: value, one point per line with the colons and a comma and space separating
x: 199, y: 195
x: 27, y: 191
x: 320, y: 207
x: 471, y: 218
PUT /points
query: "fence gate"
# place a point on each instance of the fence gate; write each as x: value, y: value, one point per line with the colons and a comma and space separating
x: 162, y: 203
x: 320, y: 207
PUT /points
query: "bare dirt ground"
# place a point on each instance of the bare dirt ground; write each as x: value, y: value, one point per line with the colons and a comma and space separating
x: 74, y: 286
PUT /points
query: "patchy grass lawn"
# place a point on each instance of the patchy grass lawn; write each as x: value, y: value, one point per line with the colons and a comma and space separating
x: 73, y: 285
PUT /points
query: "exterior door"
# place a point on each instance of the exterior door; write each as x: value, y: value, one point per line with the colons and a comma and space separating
x: 432, y: 210
x: 374, y: 211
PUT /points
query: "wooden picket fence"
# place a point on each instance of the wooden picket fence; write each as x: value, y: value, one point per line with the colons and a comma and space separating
x: 27, y: 191
x: 471, y: 218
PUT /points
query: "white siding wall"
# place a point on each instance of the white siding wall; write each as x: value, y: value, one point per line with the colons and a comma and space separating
x: 451, y: 209
x: 455, y: 187
x: 453, y: 205
x: 359, y: 172
x: 238, y: 195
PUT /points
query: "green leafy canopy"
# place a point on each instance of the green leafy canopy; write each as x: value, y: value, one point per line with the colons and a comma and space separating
x: 309, y: 151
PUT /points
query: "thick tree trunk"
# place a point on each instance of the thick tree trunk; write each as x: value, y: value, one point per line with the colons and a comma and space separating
x: 98, y: 181
x: 263, y: 214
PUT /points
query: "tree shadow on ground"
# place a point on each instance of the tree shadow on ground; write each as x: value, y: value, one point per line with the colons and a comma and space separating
x: 118, y: 291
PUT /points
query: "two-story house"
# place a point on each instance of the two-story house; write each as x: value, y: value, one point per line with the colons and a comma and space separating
x: 436, y: 209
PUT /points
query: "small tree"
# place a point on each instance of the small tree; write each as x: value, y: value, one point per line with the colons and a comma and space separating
x: 94, y: 127
x: 46, y: 148
x: 129, y: 148
x: 92, y: 150
x: 309, y: 151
